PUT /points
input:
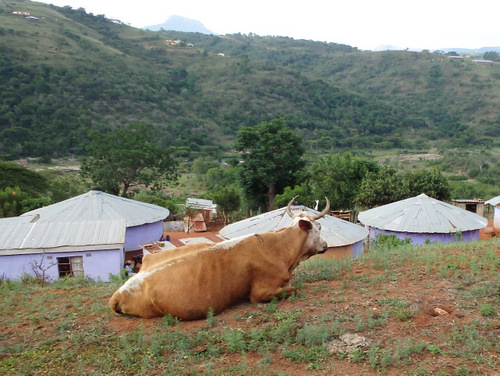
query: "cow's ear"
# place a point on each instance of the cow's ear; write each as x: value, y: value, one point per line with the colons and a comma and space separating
x: 305, y: 225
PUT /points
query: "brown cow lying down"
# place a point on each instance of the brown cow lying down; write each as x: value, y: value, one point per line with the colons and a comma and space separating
x: 192, y: 280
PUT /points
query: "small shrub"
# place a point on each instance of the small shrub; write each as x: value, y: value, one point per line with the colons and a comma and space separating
x: 29, y: 280
x: 389, y: 241
x: 169, y: 320
x: 272, y: 306
x: 487, y: 310
x: 235, y: 340
x: 211, y: 318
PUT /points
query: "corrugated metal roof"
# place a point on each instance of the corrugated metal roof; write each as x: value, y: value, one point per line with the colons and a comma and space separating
x: 32, y: 235
x: 422, y: 214
x: 96, y: 205
x: 470, y: 201
x: 336, y: 232
x: 200, y: 204
x: 494, y: 201
x: 95, y: 219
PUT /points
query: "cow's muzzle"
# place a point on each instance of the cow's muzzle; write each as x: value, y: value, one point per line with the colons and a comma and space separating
x: 322, y: 251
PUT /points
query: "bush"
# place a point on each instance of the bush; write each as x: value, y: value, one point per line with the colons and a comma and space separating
x: 389, y: 241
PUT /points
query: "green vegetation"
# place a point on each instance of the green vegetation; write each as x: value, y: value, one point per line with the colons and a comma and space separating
x: 372, y: 315
x: 69, y: 72
x: 128, y: 157
x: 69, y: 76
x: 272, y: 160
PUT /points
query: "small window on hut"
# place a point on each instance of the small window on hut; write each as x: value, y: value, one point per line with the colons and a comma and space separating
x: 70, y: 266
x: 471, y: 207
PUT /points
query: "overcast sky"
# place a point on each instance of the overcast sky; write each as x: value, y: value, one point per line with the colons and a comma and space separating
x: 366, y: 24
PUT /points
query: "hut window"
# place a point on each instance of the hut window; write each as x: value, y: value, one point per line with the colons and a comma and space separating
x: 70, y: 266
x: 471, y: 207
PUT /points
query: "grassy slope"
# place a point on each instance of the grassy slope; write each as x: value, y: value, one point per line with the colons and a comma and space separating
x: 245, y: 84
x: 387, y: 296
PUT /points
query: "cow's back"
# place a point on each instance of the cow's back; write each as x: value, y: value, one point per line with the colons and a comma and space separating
x: 189, y: 287
x: 156, y: 260
x: 215, y: 278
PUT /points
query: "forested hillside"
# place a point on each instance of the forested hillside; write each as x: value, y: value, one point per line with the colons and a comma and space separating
x: 64, y: 72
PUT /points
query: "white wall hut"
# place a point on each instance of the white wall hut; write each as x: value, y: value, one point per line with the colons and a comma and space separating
x: 495, y: 202
x: 422, y: 219
x: 344, y: 238
x: 87, y: 236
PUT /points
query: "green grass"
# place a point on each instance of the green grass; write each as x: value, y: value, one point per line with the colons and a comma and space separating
x: 66, y: 328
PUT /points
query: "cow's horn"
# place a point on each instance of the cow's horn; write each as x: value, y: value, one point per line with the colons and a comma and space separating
x: 325, y: 210
x: 289, y: 207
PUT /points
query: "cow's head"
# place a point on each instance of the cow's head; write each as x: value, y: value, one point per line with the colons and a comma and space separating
x: 314, y: 243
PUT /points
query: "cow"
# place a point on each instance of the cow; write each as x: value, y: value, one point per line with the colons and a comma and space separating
x: 195, y: 279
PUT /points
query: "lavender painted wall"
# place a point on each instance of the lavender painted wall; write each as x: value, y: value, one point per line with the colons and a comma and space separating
x: 496, y: 219
x: 96, y: 264
x: 420, y: 238
x: 358, y: 249
x: 137, y: 235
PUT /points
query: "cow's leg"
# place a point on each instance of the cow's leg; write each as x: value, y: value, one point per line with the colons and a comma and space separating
x: 263, y: 290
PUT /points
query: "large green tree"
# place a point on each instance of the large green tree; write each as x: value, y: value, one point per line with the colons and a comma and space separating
x: 338, y: 177
x: 272, y: 160
x: 128, y: 157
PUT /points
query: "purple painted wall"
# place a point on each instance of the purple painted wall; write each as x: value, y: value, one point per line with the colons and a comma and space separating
x: 96, y: 264
x: 358, y: 249
x: 418, y: 238
x: 148, y: 233
x: 496, y: 219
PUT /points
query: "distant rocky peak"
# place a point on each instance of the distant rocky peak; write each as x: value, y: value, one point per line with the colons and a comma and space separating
x: 178, y: 23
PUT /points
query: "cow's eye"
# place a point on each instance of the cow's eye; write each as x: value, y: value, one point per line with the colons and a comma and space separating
x: 319, y: 227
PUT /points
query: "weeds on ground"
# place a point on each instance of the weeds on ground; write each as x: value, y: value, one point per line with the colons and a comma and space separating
x: 65, y: 326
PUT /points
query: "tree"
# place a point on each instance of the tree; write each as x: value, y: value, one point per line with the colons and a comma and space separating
x: 381, y: 188
x: 431, y: 182
x: 303, y: 191
x: 491, y: 55
x: 387, y: 186
x: 21, y: 190
x: 338, y: 177
x: 127, y: 157
x: 227, y: 199
x: 10, y: 199
x: 272, y: 159
x: 15, y: 175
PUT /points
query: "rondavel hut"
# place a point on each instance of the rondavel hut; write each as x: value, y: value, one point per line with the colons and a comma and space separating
x: 344, y: 238
x: 84, y: 236
x: 423, y: 219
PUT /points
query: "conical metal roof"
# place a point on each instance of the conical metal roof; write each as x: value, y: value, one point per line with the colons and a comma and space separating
x: 96, y: 205
x: 494, y: 201
x: 337, y: 232
x: 422, y: 214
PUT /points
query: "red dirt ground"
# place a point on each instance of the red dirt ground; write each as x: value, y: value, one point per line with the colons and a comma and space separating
x: 429, y: 292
